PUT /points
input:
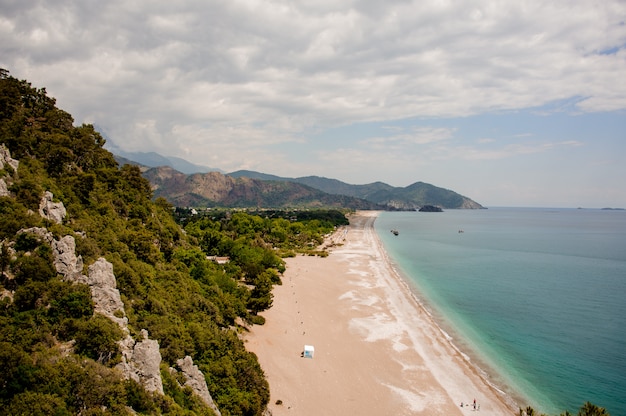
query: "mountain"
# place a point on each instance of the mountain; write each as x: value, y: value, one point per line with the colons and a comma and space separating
x: 153, y: 159
x: 403, y: 198
x: 215, y: 189
x: 211, y: 190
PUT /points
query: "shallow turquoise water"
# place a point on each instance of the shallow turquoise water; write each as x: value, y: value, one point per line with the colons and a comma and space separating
x: 537, y: 297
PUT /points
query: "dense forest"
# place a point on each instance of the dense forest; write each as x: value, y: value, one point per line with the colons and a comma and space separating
x: 58, y: 355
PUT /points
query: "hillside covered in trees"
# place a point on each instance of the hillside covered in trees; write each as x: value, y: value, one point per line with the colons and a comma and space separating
x: 107, y: 304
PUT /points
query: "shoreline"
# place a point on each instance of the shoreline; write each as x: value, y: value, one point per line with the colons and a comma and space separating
x: 481, y: 365
x: 377, y: 349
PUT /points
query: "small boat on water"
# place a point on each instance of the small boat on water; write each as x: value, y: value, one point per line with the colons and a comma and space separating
x: 395, y: 232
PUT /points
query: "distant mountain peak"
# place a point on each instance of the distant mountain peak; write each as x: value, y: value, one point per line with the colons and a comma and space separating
x: 154, y: 159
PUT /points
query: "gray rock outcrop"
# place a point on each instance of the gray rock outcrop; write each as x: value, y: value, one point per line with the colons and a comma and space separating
x: 106, y: 296
x: 54, y: 211
x: 4, y: 189
x: 64, y: 256
x: 65, y: 260
x: 40, y: 232
x: 6, y: 159
x: 196, y: 381
x: 141, y: 360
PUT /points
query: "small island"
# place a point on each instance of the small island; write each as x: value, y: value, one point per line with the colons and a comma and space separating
x: 430, y: 208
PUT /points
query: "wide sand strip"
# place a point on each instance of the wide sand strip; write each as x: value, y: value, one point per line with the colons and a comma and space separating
x: 377, y: 351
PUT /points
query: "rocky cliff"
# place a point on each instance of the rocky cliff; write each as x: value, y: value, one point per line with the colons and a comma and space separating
x: 9, y: 165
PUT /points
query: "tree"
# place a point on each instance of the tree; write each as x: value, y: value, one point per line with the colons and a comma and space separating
x: 590, y: 409
x: 33, y: 268
x: 261, y: 297
x: 97, y: 339
x: 69, y: 300
x: 31, y: 403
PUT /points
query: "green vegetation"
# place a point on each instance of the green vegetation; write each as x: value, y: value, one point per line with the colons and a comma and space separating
x: 587, y: 409
x: 57, y: 355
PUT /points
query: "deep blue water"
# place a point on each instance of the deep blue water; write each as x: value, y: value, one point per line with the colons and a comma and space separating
x: 536, y: 297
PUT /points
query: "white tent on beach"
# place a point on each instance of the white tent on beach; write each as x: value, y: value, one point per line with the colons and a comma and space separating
x: 309, y: 350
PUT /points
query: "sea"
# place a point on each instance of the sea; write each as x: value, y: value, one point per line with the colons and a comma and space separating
x: 535, y: 297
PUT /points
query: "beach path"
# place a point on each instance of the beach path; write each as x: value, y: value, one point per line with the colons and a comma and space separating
x: 377, y: 350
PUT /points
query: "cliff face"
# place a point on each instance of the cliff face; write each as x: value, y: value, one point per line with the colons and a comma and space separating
x: 195, y: 380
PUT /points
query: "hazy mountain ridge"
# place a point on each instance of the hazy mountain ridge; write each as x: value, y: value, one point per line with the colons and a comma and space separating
x: 154, y: 159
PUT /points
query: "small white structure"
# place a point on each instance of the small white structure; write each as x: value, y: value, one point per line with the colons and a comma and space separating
x: 309, y: 350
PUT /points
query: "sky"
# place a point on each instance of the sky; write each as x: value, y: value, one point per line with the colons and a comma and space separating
x: 510, y: 103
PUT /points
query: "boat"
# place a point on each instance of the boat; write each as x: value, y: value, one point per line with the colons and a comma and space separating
x: 395, y: 232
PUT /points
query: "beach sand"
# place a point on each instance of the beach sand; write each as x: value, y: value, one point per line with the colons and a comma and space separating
x: 377, y: 350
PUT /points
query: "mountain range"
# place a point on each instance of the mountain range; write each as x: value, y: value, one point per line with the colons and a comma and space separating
x: 247, y: 189
x: 410, y: 197
x: 154, y: 159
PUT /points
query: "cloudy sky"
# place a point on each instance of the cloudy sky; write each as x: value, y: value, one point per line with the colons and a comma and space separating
x: 511, y: 103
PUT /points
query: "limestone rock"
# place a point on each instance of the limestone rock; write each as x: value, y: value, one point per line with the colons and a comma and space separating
x: 4, y: 189
x: 40, y: 232
x: 6, y: 159
x: 64, y: 256
x: 142, y: 363
x: 54, y: 211
x: 65, y: 260
x: 106, y: 297
x: 6, y: 294
x: 196, y: 381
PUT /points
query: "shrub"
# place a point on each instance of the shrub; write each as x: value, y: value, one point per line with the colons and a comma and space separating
x: 97, y: 339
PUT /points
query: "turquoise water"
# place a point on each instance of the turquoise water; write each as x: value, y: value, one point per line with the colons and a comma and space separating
x: 536, y: 297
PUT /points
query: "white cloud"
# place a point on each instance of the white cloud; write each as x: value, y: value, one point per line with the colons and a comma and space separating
x: 342, y: 65
x: 414, y: 136
x: 213, y: 78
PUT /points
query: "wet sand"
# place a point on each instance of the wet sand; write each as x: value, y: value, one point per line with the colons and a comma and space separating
x: 377, y: 350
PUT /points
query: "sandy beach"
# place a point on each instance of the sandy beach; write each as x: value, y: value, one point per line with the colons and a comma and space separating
x: 377, y: 351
